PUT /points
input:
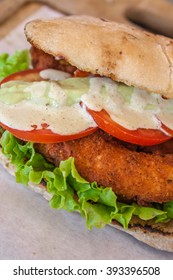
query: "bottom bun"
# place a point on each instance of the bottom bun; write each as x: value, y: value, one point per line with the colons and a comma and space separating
x: 159, y: 236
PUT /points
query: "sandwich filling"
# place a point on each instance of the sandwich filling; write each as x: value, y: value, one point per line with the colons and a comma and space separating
x: 98, y: 174
x: 57, y: 102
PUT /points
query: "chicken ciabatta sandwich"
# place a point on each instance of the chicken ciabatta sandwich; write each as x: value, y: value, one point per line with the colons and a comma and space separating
x: 91, y: 126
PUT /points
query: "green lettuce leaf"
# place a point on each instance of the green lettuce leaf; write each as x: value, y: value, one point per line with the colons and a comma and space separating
x: 168, y: 207
x: 13, y: 63
x: 69, y: 191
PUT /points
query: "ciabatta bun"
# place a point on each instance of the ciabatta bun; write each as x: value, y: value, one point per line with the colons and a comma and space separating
x: 110, y: 49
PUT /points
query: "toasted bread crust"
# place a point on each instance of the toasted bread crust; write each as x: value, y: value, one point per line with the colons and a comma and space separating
x: 110, y: 49
x: 159, y: 236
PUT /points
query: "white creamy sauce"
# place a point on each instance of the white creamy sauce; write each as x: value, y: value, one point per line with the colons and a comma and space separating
x: 46, y: 93
x: 131, y: 116
x: 136, y: 115
x: 166, y: 119
x: 52, y: 74
x: 48, y: 103
x: 63, y: 120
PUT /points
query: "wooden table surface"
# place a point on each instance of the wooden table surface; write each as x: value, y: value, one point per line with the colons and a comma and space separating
x: 153, y: 14
x: 25, y: 11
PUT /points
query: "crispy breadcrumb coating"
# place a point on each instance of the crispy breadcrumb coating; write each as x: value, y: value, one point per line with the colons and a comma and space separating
x: 133, y: 175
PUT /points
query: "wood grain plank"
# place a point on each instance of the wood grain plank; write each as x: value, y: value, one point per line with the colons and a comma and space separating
x: 25, y: 11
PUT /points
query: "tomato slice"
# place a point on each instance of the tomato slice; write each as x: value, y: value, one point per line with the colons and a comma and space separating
x: 167, y: 129
x: 46, y: 135
x: 141, y: 136
x: 29, y: 75
x: 43, y: 135
x: 81, y: 74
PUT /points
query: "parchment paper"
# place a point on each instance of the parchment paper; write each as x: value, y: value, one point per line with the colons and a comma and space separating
x: 30, y: 229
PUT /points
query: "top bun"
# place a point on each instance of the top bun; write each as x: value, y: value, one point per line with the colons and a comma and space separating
x: 111, y: 49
